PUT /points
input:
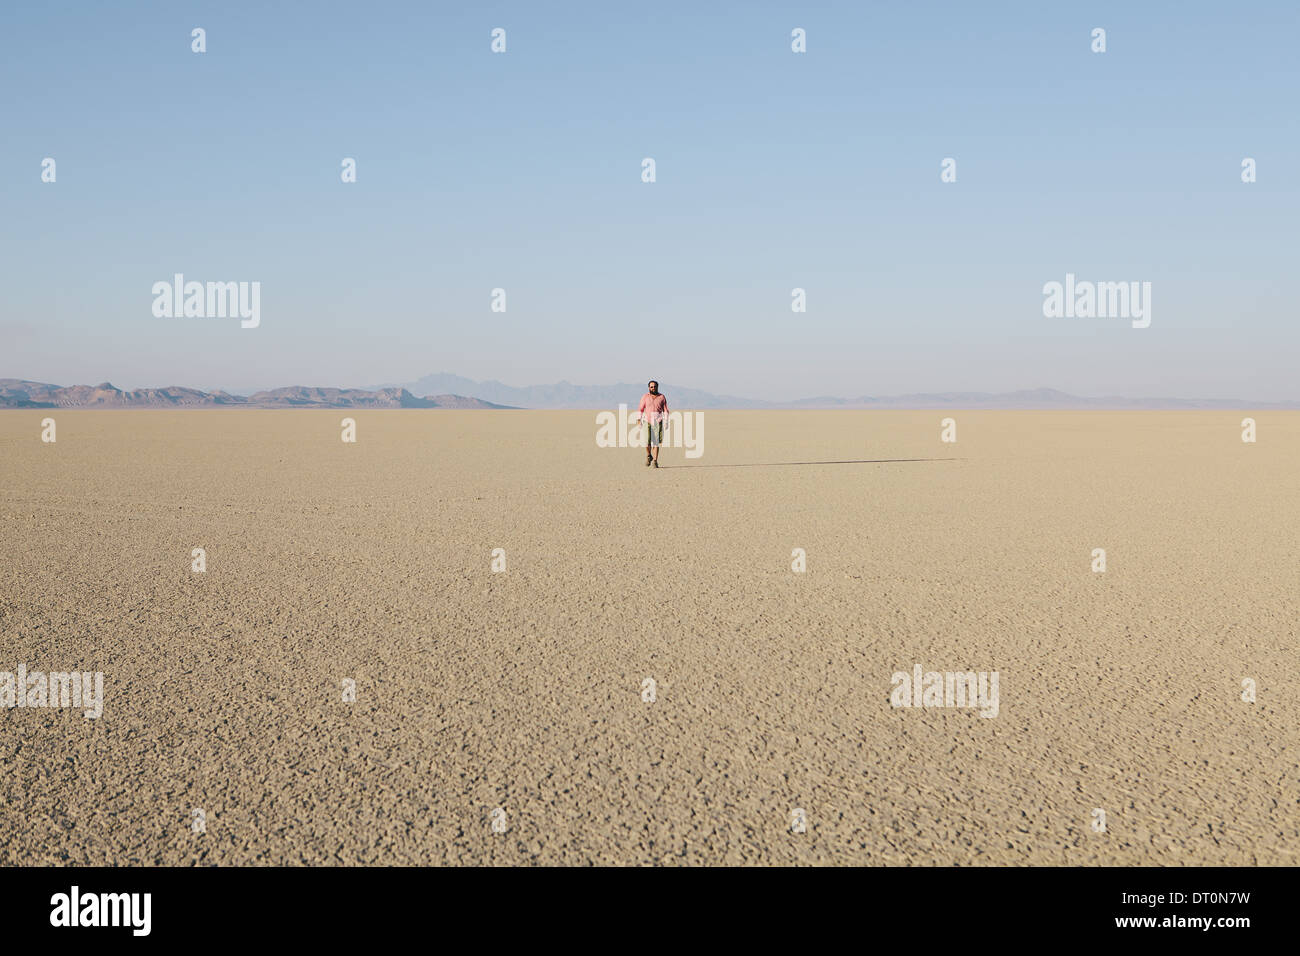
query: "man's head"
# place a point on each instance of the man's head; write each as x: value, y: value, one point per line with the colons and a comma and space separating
x: 653, y: 386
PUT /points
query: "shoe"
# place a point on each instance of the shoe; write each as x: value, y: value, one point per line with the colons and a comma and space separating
x: 647, y: 461
x: 656, y: 464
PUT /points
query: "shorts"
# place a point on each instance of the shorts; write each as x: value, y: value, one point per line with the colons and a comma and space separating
x: 654, y: 433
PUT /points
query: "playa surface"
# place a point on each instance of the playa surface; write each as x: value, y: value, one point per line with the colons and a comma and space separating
x: 523, y: 689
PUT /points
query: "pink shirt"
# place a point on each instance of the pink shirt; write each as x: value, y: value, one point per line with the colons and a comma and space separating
x: 654, y: 408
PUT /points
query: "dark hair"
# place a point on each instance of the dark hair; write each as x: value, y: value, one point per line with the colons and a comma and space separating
x: 651, y: 382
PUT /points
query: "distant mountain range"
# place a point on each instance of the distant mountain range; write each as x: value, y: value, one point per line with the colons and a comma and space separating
x: 16, y: 393
x: 1035, y: 398
x: 566, y: 395
x: 452, y: 391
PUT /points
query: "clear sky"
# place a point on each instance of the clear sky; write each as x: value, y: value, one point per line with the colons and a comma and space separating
x: 775, y: 170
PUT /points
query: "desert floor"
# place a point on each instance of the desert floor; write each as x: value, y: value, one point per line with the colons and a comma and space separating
x: 523, y: 690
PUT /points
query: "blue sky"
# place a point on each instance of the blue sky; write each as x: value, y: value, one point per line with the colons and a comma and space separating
x: 775, y: 170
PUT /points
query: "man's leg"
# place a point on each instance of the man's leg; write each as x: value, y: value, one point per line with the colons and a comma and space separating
x: 647, y: 446
x: 658, y: 443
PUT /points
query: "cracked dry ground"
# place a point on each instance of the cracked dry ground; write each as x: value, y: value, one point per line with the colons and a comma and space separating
x: 521, y: 690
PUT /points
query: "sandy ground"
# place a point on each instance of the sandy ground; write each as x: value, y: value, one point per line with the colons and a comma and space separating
x: 522, y: 690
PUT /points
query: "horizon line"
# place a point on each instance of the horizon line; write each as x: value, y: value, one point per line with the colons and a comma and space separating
x: 1022, y: 399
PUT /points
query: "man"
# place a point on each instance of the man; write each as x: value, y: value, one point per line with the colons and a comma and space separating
x: 654, y: 412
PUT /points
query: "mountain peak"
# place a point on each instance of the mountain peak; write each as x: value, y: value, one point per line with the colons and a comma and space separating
x: 17, y: 393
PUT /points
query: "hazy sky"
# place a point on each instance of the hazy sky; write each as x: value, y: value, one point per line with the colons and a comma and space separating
x: 775, y: 170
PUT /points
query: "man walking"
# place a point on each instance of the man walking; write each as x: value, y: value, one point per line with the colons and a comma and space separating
x: 654, y: 412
